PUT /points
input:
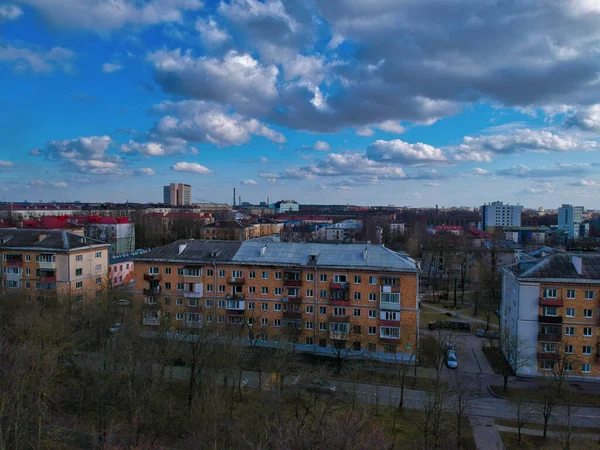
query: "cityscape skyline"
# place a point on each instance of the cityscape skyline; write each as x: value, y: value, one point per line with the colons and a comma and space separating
x: 302, y: 101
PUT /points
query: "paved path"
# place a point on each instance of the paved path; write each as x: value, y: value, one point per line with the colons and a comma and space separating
x: 457, y: 315
x: 485, y: 433
x: 531, y: 432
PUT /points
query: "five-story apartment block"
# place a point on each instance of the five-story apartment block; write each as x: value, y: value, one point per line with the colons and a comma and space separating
x: 552, y: 306
x: 43, y: 264
x: 354, y: 296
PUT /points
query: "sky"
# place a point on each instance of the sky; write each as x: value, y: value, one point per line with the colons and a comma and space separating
x: 403, y: 102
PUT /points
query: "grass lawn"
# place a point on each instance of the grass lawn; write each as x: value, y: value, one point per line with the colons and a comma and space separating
x: 373, y: 377
x: 536, y: 395
x: 551, y: 427
x: 538, y: 442
x: 495, y: 358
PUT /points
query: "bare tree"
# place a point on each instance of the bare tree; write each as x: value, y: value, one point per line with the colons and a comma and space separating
x: 463, y: 390
x: 550, y: 398
x: 516, y: 350
x: 432, y: 420
x: 524, y: 412
x: 566, y: 438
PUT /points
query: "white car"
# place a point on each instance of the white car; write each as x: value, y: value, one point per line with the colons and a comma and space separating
x: 451, y: 361
x: 116, y: 327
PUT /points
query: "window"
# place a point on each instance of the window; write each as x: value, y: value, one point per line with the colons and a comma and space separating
x: 264, y: 322
x: 278, y: 291
x: 167, y: 286
x: 587, y: 331
x: 78, y: 298
x: 568, y: 349
x: 387, y: 297
x: 264, y: 290
x: 309, y: 325
x: 357, y: 279
x: 323, y: 293
x: 79, y: 285
x: 251, y: 321
x: 220, y: 303
x: 372, y: 314
x: 180, y: 286
x: 547, y: 364
x: 99, y: 267
x: 27, y: 285
x: 209, y: 288
x: 251, y: 289
x: 209, y: 318
x: 322, y: 342
x: 237, y: 274
x: 180, y: 271
x: 98, y: 254
x: 250, y: 306
x: 209, y: 272
x: 309, y: 341
x: 310, y: 293
x: 586, y: 350
x: 98, y: 280
x: 278, y: 275
x: 356, y: 312
x: 569, y: 331
x: 588, y: 313
x: 372, y: 330
x: 221, y: 288
x: 265, y: 275
x: 167, y: 270
x: 208, y: 303
x: 277, y: 307
x: 570, y: 312
x: 585, y: 368
x: 549, y: 348
x: 27, y: 271
x: 264, y: 306
x: 391, y: 315
x: 220, y: 319
x: 310, y: 277
x: 550, y: 293
x: 340, y: 278
x: 372, y: 347
x: 357, y: 296
x: 570, y: 294
x: 252, y: 274
x: 389, y: 348
x: 79, y: 258
x: 153, y: 270
x: 390, y: 332
x: 549, y: 310
x: 322, y: 326
x: 127, y: 266
x: 27, y: 258
x: 372, y: 280
x: 221, y: 273
x: 78, y: 272
x: 322, y: 309
x: 337, y: 311
x: 589, y: 295
x: 277, y: 322
x: 179, y: 302
x: 372, y: 297
x: 356, y: 329
x: 323, y: 278
x: 192, y: 302
x: 309, y: 309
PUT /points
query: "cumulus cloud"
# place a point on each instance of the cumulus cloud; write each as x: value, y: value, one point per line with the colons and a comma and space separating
x: 248, y: 182
x: 210, y: 32
x: 146, y: 171
x: 59, y: 184
x: 4, y: 163
x: 145, y: 148
x: 556, y: 170
x: 583, y: 183
x: 35, y: 152
x: 483, y: 148
x: 237, y: 79
x: 391, y: 127
x: 321, y: 146
x: 480, y: 172
x: 191, y: 167
x: 109, y: 15
x: 401, y: 152
x: 57, y: 58
x: 540, y: 188
x: 197, y: 121
x: 111, y: 67
x: 9, y: 12
x: 586, y: 117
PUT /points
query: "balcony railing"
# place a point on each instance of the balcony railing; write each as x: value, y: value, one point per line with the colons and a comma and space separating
x: 335, y: 285
x: 551, y: 301
x: 339, y: 302
x: 292, y: 283
x: 293, y: 299
x: 235, y: 305
x: 339, y: 319
x: 192, y: 294
x: 151, y: 277
x: 152, y: 291
x: 49, y: 264
x: 550, y: 319
x: 14, y: 263
x: 236, y: 280
x: 236, y: 321
x: 548, y: 355
x: 549, y: 337
x: 390, y: 288
x: 389, y: 323
x: 49, y: 279
x: 151, y: 321
x: 292, y: 315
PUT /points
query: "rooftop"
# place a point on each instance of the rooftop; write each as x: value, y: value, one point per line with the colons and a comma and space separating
x: 193, y: 250
x: 560, y: 266
x: 45, y: 239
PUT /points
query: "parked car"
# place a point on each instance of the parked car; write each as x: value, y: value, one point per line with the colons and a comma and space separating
x: 116, y: 327
x: 321, y: 386
x: 449, y: 347
x: 451, y: 361
x: 122, y: 302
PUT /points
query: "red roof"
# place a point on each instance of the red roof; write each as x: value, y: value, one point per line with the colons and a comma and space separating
x: 448, y: 228
x: 480, y: 233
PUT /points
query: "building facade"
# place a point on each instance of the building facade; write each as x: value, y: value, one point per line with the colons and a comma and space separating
x: 551, y: 305
x: 570, y: 218
x: 177, y: 194
x: 497, y: 214
x: 42, y: 264
x: 286, y: 206
x: 323, y: 297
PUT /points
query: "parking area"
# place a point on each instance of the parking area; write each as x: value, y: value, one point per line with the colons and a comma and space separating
x: 469, y: 355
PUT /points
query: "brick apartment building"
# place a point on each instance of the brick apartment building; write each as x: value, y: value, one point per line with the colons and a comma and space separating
x: 320, y: 296
x: 42, y: 264
x: 552, y: 303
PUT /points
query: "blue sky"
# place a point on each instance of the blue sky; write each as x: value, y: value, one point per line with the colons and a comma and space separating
x: 386, y: 102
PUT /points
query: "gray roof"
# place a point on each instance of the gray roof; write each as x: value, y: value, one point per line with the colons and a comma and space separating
x: 57, y: 240
x: 327, y: 255
x: 227, y: 224
x: 194, y: 251
x: 560, y: 266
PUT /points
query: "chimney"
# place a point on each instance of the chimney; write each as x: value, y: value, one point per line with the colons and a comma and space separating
x: 365, y: 253
x: 182, y: 247
x: 263, y: 249
x: 234, y: 197
x: 577, y: 264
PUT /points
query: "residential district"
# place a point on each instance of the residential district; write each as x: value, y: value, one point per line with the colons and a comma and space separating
x: 506, y: 296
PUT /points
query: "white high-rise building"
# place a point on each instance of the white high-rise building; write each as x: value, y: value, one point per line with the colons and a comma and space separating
x: 497, y: 214
x: 177, y: 194
x: 571, y: 218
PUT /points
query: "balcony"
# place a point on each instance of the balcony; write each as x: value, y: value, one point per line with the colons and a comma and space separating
x: 47, y: 262
x: 14, y: 263
x: 551, y: 302
x: 292, y: 283
x: 390, y: 289
x: 48, y: 279
x: 339, y: 331
x: 192, y: 294
x: 343, y: 286
x: 48, y: 286
x: 389, y: 323
x: 152, y: 291
x: 294, y: 315
x: 549, y: 337
x: 154, y: 321
x: 235, y: 305
x: 293, y: 299
x: 236, y: 280
x: 151, y: 277
x: 13, y: 276
x: 339, y: 302
x: 554, y: 356
x: 550, y: 319
x: 292, y: 278
x: 235, y: 320
x: 339, y: 319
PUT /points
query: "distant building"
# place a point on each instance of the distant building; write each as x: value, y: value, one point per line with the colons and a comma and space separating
x: 120, y: 270
x: 230, y: 230
x: 117, y: 231
x: 286, y: 206
x: 342, y: 231
x: 452, y: 229
x: 570, y: 218
x: 497, y: 214
x: 177, y: 194
x: 525, y: 235
x: 396, y: 227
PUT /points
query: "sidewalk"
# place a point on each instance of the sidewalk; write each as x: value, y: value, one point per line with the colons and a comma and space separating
x: 485, y: 433
x: 530, y: 432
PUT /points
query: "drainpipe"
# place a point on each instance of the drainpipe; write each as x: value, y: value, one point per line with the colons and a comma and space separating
x: 315, y: 313
x: 215, y: 293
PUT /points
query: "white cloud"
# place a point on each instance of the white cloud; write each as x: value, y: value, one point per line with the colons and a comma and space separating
x: 59, y: 184
x: 584, y: 183
x: 322, y: 146
x: 391, y: 127
x: 146, y: 171
x: 540, y: 188
x: 556, y: 170
x: 109, y: 15
x: 433, y: 184
x: 248, y: 182
x: 35, y: 152
x: 480, y: 172
x: 210, y: 33
x: 4, y: 163
x: 364, y: 131
x: 401, y: 152
x: 9, y: 12
x: 37, y: 61
x: 146, y: 148
x: 36, y: 184
x: 586, y: 118
x: 191, y: 167
x: 111, y: 67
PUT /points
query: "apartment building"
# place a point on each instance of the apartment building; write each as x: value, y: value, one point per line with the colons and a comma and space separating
x: 321, y: 296
x: 497, y: 214
x: 177, y: 194
x: 230, y: 230
x: 552, y: 305
x: 45, y: 263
